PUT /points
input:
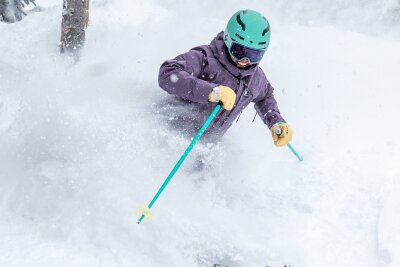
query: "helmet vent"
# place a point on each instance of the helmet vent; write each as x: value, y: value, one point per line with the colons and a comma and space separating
x: 265, y: 30
x: 261, y: 43
x: 240, y: 22
x: 240, y: 37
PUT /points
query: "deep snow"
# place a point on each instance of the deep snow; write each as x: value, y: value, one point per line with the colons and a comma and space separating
x: 81, y: 147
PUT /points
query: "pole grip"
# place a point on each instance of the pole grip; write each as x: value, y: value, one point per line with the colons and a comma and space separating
x: 278, y: 132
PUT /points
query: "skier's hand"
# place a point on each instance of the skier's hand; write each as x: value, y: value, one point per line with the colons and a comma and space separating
x: 281, y: 133
x: 224, y: 94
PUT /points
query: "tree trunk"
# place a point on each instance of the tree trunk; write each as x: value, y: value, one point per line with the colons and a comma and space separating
x: 75, y: 18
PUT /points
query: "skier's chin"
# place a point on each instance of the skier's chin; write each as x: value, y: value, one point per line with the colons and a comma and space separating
x: 241, y: 64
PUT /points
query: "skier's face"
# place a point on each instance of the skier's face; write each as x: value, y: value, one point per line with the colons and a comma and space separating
x: 244, y: 56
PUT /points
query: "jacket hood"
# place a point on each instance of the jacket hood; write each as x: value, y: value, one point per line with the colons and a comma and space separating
x: 220, y: 51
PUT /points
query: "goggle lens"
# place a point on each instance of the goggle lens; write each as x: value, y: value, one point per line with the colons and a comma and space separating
x: 240, y: 52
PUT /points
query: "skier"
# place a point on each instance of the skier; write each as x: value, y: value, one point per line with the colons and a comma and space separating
x: 225, y: 71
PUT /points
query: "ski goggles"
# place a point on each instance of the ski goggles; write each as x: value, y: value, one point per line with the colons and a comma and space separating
x: 240, y: 52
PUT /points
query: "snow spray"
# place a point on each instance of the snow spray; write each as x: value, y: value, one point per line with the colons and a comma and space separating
x: 145, y: 212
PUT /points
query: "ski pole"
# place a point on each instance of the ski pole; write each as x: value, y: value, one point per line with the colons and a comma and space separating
x: 180, y: 161
x: 278, y: 131
x: 294, y: 152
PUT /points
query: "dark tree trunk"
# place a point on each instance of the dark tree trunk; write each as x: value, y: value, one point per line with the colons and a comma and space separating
x: 75, y: 18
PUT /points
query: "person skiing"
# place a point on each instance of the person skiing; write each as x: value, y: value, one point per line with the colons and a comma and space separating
x: 227, y: 70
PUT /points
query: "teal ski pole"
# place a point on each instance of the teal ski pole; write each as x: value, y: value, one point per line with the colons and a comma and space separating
x: 278, y: 131
x: 180, y: 161
x: 295, y: 152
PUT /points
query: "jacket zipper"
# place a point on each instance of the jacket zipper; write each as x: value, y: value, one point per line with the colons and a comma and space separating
x: 240, y: 91
x: 245, y: 88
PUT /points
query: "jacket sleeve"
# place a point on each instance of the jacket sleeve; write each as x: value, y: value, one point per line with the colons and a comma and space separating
x: 266, y: 105
x: 180, y: 76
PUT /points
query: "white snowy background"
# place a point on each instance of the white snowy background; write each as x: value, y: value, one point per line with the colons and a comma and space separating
x: 81, y: 148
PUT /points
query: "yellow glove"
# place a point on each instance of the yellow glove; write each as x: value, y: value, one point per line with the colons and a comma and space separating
x: 282, y: 134
x: 224, y: 94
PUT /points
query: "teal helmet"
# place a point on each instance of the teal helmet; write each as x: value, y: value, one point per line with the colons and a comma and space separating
x: 248, y: 28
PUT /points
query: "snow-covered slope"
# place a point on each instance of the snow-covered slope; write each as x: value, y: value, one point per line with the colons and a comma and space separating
x: 81, y: 148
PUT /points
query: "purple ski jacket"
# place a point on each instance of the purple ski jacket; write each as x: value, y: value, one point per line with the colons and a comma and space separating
x: 192, y: 76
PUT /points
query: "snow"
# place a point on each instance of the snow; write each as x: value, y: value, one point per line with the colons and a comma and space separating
x: 82, y: 149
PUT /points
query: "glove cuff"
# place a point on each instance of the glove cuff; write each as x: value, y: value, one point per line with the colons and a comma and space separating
x: 278, y: 123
